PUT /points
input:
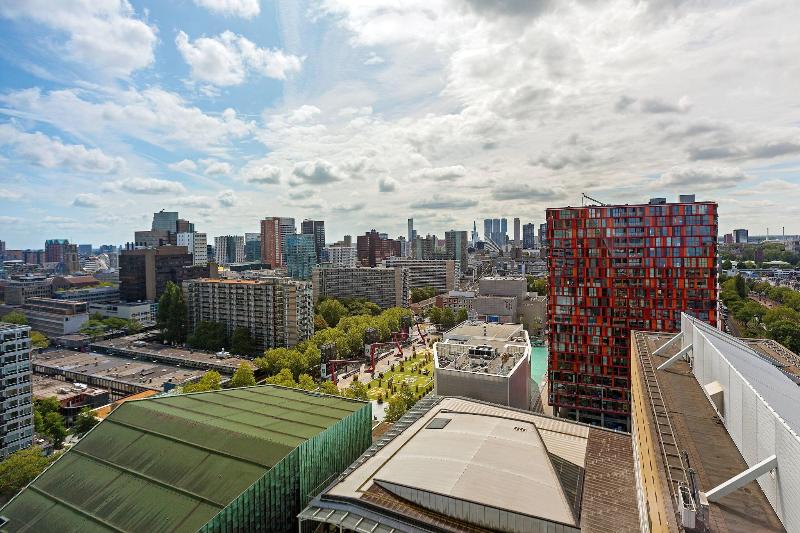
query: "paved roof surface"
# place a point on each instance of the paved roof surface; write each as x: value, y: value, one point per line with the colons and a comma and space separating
x: 172, y: 463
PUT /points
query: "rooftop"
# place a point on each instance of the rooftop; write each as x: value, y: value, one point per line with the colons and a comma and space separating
x: 45, y: 387
x: 486, y: 347
x: 453, y: 464
x: 173, y: 462
x: 125, y: 347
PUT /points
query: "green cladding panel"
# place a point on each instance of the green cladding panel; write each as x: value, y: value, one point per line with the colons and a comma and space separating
x: 229, y: 460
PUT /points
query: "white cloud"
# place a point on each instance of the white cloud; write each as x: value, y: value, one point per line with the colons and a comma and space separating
x: 260, y: 172
x: 237, y: 8
x: 316, y: 173
x: 41, y: 150
x: 444, y: 203
x: 227, y: 198
x: 87, y: 200
x: 386, y: 185
x: 227, y: 58
x: 706, y: 178
x: 450, y: 173
x: 374, y: 59
x: 101, y: 34
x: 216, y: 168
x: 9, y: 221
x: 194, y: 201
x: 185, y: 165
x: 150, y: 186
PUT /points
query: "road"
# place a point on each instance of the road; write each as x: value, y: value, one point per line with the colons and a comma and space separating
x: 766, y: 302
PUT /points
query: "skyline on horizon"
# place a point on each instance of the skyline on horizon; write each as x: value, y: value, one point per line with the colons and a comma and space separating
x: 228, y: 112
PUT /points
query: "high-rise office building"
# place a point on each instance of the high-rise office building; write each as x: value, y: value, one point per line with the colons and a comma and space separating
x: 740, y: 236
x: 424, y: 247
x: 252, y: 247
x: 54, y: 250
x: 71, y: 262
x: 274, y: 231
x: 183, y: 226
x: 2, y: 250
x: 16, y: 401
x: 144, y: 273
x: 315, y: 228
x: 277, y: 311
x: 613, y: 269
x: 517, y: 241
x: 165, y: 221
x: 229, y: 249
x: 410, y: 230
x: 543, y: 234
x: 347, y: 240
x: 487, y: 229
x: 372, y: 249
x: 300, y: 255
x: 197, y: 245
x: 456, y: 248
x: 84, y: 250
x: 529, y: 236
x: 504, y: 226
x: 438, y: 274
x: 475, y: 237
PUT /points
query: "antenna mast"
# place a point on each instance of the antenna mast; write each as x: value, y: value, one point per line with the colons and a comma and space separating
x: 584, y: 196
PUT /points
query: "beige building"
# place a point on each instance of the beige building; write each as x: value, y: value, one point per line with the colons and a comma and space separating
x: 278, y: 311
x: 436, y: 273
x: 385, y: 287
x: 55, y: 317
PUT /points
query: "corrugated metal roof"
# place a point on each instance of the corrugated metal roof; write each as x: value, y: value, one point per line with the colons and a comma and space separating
x: 172, y: 463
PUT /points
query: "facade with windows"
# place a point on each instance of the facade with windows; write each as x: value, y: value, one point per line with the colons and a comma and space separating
x: 613, y: 269
x: 16, y: 425
x: 300, y: 255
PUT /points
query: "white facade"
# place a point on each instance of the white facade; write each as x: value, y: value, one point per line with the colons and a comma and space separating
x: 760, y: 409
x: 16, y: 402
x: 342, y: 256
x: 197, y: 244
x: 229, y: 249
x: 141, y: 312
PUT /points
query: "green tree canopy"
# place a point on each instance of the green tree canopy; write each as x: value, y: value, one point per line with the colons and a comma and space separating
x: 15, y: 317
x: 306, y: 382
x: 419, y: 294
x: 461, y: 316
x: 283, y: 378
x: 211, y: 380
x: 54, y: 428
x: 243, y: 377
x: 537, y: 285
x: 356, y: 390
x: 332, y: 311
x: 242, y: 342
x: 39, y: 340
x: 20, y: 468
x: 741, y: 286
x: 85, y: 421
x: 726, y: 264
x: 210, y: 336
x: 172, y: 314
x: 401, y: 402
x: 329, y: 387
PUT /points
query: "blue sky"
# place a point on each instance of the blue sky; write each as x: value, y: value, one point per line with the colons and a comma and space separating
x: 366, y: 112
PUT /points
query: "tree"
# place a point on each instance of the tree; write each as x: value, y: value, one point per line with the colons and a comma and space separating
x: 538, y: 286
x: 356, y: 390
x: 787, y: 333
x: 172, y: 313
x: 727, y: 265
x: 210, y: 336
x: 741, y: 287
x: 243, y: 377
x: 211, y: 380
x: 283, y: 378
x: 332, y: 311
x: 461, y: 316
x: 448, y: 318
x: 15, y: 317
x: 54, y: 428
x: 306, y: 382
x: 85, y: 421
x: 419, y: 294
x: 242, y: 343
x: 319, y: 322
x: 39, y: 340
x: 20, y: 468
x: 329, y: 387
x: 399, y: 404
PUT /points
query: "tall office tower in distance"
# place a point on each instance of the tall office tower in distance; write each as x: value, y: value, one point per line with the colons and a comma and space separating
x: 300, y: 256
x: 54, y: 250
x: 487, y: 229
x: 196, y: 244
x: 504, y: 228
x: 372, y: 249
x: 315, y: 228
x: 613, y: 269
x: 347, y: 240
x: 229, y: 249
x: 496, y: 232
x: 456, y: 247
x: 740, y: 236
x: 274, y: 231
x: 474, y: 236
x: 183, y: 226
x: 410, y: 230
x: 517, y: 242
x: 165, y: 221
x: 16, y: 401
x: 529, y: 236
x: 543, y: 234
x: 252, y: 247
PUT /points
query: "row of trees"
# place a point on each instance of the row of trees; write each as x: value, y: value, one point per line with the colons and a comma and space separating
x: 419, y: 294
x: 98, y: 325
x: 772, y: 252
x: 38, y: 339
x: 446, y: 318
x: 781, y: 323
x: 331, y: 310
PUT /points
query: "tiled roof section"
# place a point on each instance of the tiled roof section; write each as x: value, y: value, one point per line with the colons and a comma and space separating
x: 609, y: 491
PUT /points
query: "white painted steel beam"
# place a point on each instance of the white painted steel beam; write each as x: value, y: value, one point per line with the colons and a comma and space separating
x: 742, y: 479
x: 663, y: 347
x: 674, y: 358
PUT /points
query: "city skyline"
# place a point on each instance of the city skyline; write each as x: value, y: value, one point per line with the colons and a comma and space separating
x: 230, y: 112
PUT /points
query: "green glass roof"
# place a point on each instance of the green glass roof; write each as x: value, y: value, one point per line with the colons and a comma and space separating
x: 172, y: 463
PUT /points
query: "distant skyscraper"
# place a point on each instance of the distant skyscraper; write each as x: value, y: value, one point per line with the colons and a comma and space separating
x: 543, y: 234
x: 348, y: 240
x: 252, y: 247
x: 316, y: 228
x: 300, y: 256
x: 410, y: 230
x: 54, y: 250
x: 475, y: 237
x: 165, y: 221
x: 183, y: 226
x: 274, y: 231
x: 456, y: 247
x: 517, y: 242
x: 740, y: 236
x: 504, y: 226
x: 727, y: 238
x: 71, y: 261
x: 84, y: 250
x: 487, y: 229
x: 529, y: 236
x: 229, y: 249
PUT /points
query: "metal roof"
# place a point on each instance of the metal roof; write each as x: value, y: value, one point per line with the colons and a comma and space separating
x: 172, y: 463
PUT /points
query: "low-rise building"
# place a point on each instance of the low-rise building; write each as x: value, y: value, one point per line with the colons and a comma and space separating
x: 385, y: 287
x: 17, y: 291
x: 277, y: 311
x: 441, y: 275
x: 142, y: 312
x: 484, y: 361
x: 98, y: 295
x: 55, y: 317
x: 16, y: 402
x: 72, y: 397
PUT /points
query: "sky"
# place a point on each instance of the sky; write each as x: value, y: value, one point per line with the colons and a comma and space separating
x: 366, y: 112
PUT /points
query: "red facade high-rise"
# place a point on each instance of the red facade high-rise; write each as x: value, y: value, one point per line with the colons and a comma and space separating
x: 613, y: 269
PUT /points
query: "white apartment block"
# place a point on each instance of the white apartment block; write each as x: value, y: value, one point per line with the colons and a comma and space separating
x: 197, y: 244
x: 16, y: 401
x: 229, y: 249
x: 385, y: 287
x: 278, y: 311
x: 341, y: 256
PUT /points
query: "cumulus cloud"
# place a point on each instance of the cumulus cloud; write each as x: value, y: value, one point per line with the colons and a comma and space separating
x: 444, y: 202
x: 527, y: 193
x: 194, y: 201
x: 761, y: 150
x: 450, y: 173
x: 228, y: 58
x: 216, y: 168
x: 260, y: 173
x: 185, y: 165
x: 386, y: 185
x: 87, y: 200
x: 701, y: 178
x: 374, y: 59
x: 569, y: 153
x: 236, y: 8
x: 657, y: 105
x: 316, y: 173
x: 105, y: 35
x: 41, y: 150
x: 227, y: 198
x: 150, y: 186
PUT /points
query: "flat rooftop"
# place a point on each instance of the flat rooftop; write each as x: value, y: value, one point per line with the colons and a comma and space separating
x: 140, y: 372
x: 476, y: 331
x: 47, y: 387
x: 176, y: 355
x: 711, y: 451
x: 486, y: 458
x: 484, y: 347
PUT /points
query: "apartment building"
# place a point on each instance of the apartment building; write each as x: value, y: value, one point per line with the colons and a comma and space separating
x: 441, y: 274
x: 278, y: 311
x: 197, y: 245
x: 16, y: 401
x: 385, y: 287
x: 456, y: 247
x: 55, y: 317
x: 144, y: 273
x: 340, y: 256
x: 274, y: 231
x: 229, y: 249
